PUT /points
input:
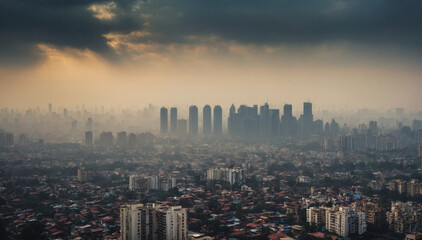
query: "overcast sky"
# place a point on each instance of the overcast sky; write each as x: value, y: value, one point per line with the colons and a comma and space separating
x: 180, y: 52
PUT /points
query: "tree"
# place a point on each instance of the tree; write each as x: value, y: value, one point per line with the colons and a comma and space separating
x: 33, y: 231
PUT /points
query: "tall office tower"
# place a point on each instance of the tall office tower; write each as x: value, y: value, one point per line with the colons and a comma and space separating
x: 65, y: 113
x: 193, y: 120
x: 318, y: 127
x: 327, y: 130
x: 245, y: 122
x: 153, y: 221
x: 335, y: 128
x: 132, y: 142
x: 173, y: 120
x: 88, y: 138
x: 88, y: 125
x: 164, y: 122
x: 218, y: 120
x: 288, y: 110
x: 275, y: 122
x: 206, y: 119
x: 50, y: 108
x: 417, y: 125
x: 22, y: 139
x: 287, y: 121
x: 231, y: 120
x: 307, y: 120
x: 6, y: 138
x: 182, y: 127
x: 264, y: 120
x: 373, y: 128
x: 106, y: 140
x: 121, y: 139
x: 420, y: 153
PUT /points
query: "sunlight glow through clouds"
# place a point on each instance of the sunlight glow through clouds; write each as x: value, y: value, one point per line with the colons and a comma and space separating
x: 103, y: 11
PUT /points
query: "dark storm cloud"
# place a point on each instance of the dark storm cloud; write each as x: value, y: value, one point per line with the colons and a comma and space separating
x: 69, y: 23
x: 297, y: 22
x: 294, y: 22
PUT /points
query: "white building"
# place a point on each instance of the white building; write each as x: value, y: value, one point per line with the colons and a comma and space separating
x: 137, y: 182
x: 153, y: 221
x: 231, y: 175
x: 345, y: 221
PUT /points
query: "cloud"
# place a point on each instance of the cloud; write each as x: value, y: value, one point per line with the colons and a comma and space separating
x: 112, y: 29
x: 103, y: 11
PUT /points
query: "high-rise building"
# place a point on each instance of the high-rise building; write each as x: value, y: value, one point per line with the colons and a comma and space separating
x: 345, y: 221
x: 420, y: 153
x: 88, y: 125
x: 50, y: 108
x: 22, y: 139
x: 138, y: 183
x: 404, y: 217
x: 318, y: 127
x: 6, y: 139
x: 288, y: 122
x: 132, y: 141
x: 173, y: 120
x: 153, y: 221
x: 218, y: 120
x: 88, y: 138
x: 206, y: 119
x: 182, y: 127
x: 264, y: 120
x: 164, y: 122
x: 373, y: 128
x: 106, y: 140
x: 231, y: 120
x: 121, y: 139
x: 275, y: 122
x: 307, y: 120
x: 245, y: 122
x: 231, y: 175
x: 193, y: 120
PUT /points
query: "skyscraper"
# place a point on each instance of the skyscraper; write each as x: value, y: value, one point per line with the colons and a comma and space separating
x: 22, y: 139
x: 193, y: 120
x: 275, y: 122
x: 287, y: 122
x: 373, y: 128
x: 218, y: 120
x: 264, y: 120
x: 206, y: 126
x: 173, y: 120
x: 420, y: 153
x: 89, y: 124
x: 132, y: 141
x: 121, y: 139
x: 50, y: 108
x: 307, y: 120
x: 164, y: 125
x: 231, y: 120
x: 88, y: 138
x: 106, y: 140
